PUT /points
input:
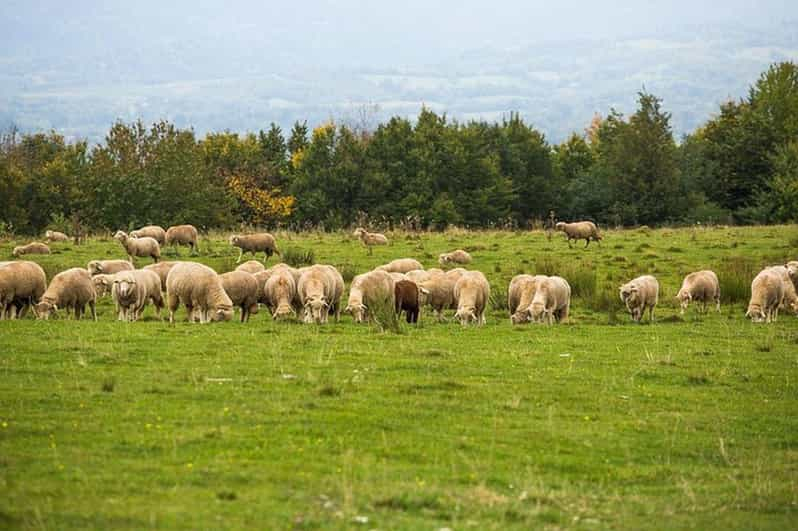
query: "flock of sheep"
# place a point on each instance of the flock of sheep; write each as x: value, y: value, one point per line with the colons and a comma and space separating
x: 314, y: 293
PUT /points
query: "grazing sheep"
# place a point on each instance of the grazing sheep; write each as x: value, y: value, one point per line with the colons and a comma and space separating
x: 252, y: 267
x: 639, y: 294
x: 581, y: 230
x: 455, y: 257
x: 767, y: 294
x: 701, y: 286
x: 103, y: 284
x: 319, y: 288
x: 152, y: 231
x: 262, y: 242
x: 198, y: 287
x: 438, y: 292
x: 242, y: 288
x: 472, y: 293
x: 182, y: 235
x: 70, y: 289
x: 281, y: 294
x: 406, y: 297
x: 132, y: 290
x: 520, y: 295
x: 792, y: 272
x: 397, y: 276
x: 401, y: 265
x: 790, y: 298
x: 139, y: 246
x: 418, y: 275
x: 162, y: 270
x: 55, y: 236
x: 108, y: 267
x: 552, y: 301
x: 369, y: 292
x: 263, y: 276
x: 370, y: 239
x: 31, y: 248
x: 22, y: 284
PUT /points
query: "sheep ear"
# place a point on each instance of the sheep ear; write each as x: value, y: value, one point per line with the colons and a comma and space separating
x: 425, y: 291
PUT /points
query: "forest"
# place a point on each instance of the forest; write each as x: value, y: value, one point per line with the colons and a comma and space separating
x: 739, y: 167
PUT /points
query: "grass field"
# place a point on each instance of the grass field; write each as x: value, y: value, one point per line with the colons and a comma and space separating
x: 684, y: 423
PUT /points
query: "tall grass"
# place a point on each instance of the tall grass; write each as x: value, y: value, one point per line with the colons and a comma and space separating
x: 581, y: 276
x: 735, y: 275
x: 299, y: 257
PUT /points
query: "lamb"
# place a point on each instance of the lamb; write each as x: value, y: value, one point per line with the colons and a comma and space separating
x: 152, y: 231
x: 262, y: 242
x: 108, y: 267
x: 472, y: 293
x: 639, y: 294
x: 251, y: 266
x: 31, y: 248
x: 368, y: 292
x: 280, y: 291
x: 132, y: 290
x: 767, y: 294
x: 406, y: 296
x: 103, y: 284
x: 145, y: 246
x: 370, y: 239
x: 162, y: 270
x: 242, y: 288
x: 70, y: 289
x: 198, y: 287
x: 581, y: 230
x: 519, y: 297
x: 455, y: 257
x: 182, y: 235
x: 438, y: 292
x: 552, y: 301
x: 320, y: 288
x: 401, y: 265
x: 701, y: 286
x: 55, y: 236
x: 22, y: 284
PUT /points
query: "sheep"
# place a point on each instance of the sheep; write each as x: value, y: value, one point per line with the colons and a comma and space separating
x: 251, y: 266
x: 162, y: 270
x: 320, y: 288
x: 22, y: 284
x: 182, y: 235
x: 792, y: 272
x: 472, y: 293
x: 108, y: 267
x: 519, y: 297
x: 280, y: 291
x: 70, y: 289
x: 369, y: 292
x: 401, y: 265
x: 132, y: 290
x: 145, y: 246
x: 55, y: 236
x: 153, y: 231
x: 420, y: 275
x: 406, y: 297
x: 552, y: 300
x: 31, y: 248
x: 639, y: 294
x: 396, y: 276
x: 263, y: 276
x: 438, y: 292
x: 767, y: 294
x: 197, y: 286
x: 790, y: 298
x: 456, y: 273
x: 455, y: 257
x: 242, y: 288
x: 103, y: 284
x: 701, y: 286
x: 370, y: 239
x: 262, y: 242
x: 581, y: 230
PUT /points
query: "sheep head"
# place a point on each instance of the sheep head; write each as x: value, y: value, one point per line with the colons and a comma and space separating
x: 466, y: 315
x: 756, y: 314
x: 316, y: 310
x: 45, y: 309
x: 120, y: 236
x: 358, y: 311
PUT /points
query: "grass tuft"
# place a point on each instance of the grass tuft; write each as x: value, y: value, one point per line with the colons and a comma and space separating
x: 299, y: 257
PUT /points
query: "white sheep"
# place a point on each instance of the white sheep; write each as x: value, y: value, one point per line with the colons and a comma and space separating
x: 639, y: 294
x: 31, y: 248
x: 580, y: 230
x: 242, y: 288
x: 455, y: 257
x: 108, y: 267
x: 280, y: 291
x: 370, y: 239
x: 438, y: 293
x: 552, y: 301
x: 162, y: 270
x: 132, y: 290
x: 262, y: 242
x: 55, y: 236
x: 198, y: 287
x: 142, y: 247
x: 153, y: 231
x: 520, y: 295
x: 251, y: 266
x: 790, y: 299
x: 767, y: 294
x: 701, y: 286
x: 103, y: 284
x: 182, y: 235
x: 320, y: 288
x: 369, y: 292
x: 70, y: 289
x: 400, y: 265
x: 22, y: 284
x: 472, y: 293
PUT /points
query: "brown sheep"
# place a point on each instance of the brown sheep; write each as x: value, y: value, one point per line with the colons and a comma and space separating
x: 262, y: 242
x: 153, y: 231
x: 242, y: 288
x: 581, y: 230
x: 108, y: 267
x: 406, y: 298
x: 182, y: 235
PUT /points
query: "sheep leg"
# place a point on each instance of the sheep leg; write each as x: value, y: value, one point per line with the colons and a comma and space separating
x: 587, y: 242
x: 651, y: 313
x: 565, y: 312
x: 193, y: 249
x: 93, y: 308
x: 717, y: 304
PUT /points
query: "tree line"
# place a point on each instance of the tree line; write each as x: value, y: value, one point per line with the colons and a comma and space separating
x: 741, y: 166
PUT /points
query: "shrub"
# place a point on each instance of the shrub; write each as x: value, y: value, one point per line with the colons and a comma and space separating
x: 498, y: 300
x: 348, y: 271
x: 299, y: 257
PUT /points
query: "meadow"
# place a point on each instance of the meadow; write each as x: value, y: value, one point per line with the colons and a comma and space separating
x: 688, y: 422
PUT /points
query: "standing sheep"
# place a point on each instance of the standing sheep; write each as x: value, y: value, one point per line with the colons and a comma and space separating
x: 701, y: 286
x: 792, y: 272
x: 581, y: 230
x: 70, y: 289
x: 139, y: 246
x: 639, y: 294
x: 455, y: 257
x: 767, y: 294
x: 520, y: 295
x: 103, y: 284
x: 552, y: 301
x: 153, y: 231
x: 162, y: 270
x: 242, y: 288
x: 132, y: 290
x: 31, y: 248
x: 281, y: 294
x: 438, y: 292
x: 182, y: 235
x: 198, y: 287
x: 55, y: 236
x: 401, y: 265
x: 370, y: 239
x: 406, y: 296
x: 472, y: 293
x: 251, y: 266
x: 108, y: 267
x: 790, y: 298
x: 262, y: 242
x: 319, y: 290
x: 369, y: 293
x: 22, y: 285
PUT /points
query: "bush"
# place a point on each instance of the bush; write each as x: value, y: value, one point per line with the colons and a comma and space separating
x: 299, y: 257
x: 348, y: 271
